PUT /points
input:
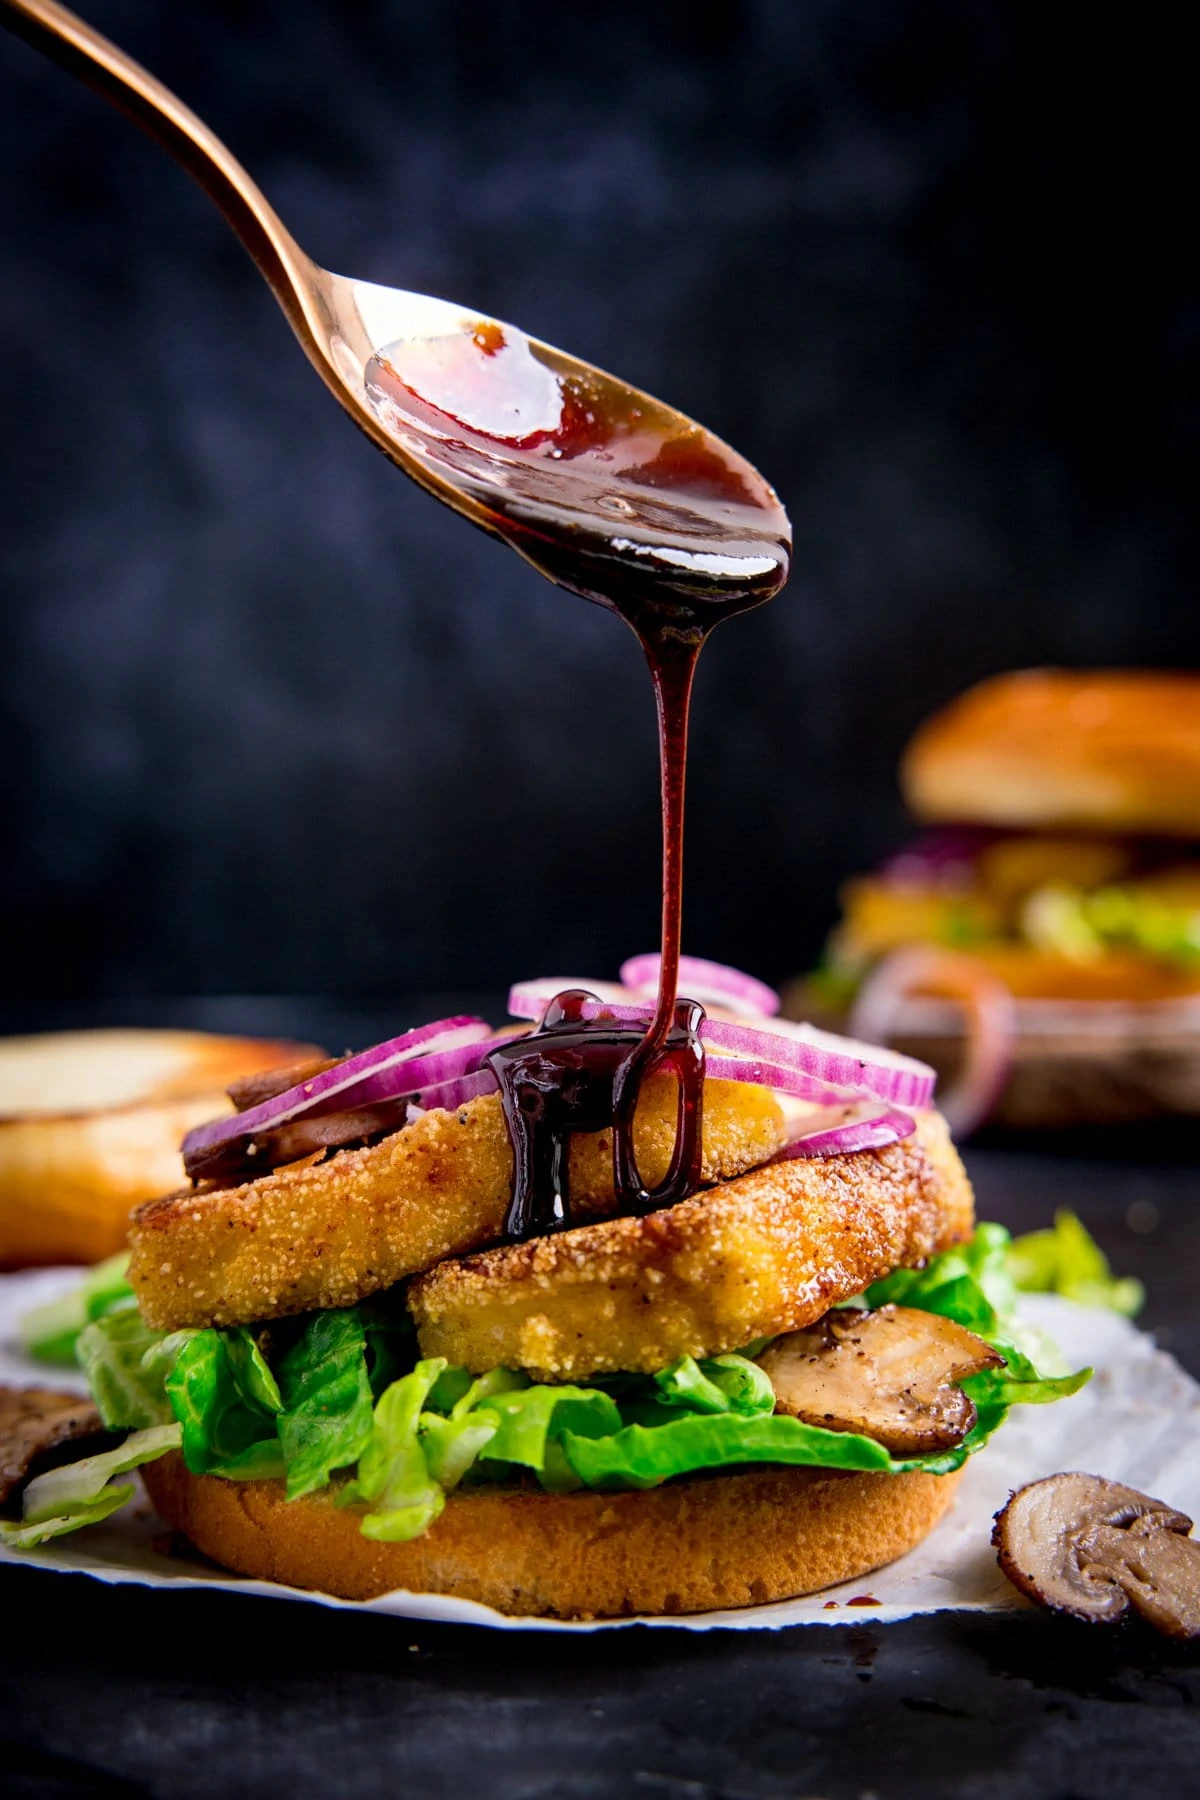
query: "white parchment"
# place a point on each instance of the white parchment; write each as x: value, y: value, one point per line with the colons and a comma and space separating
x: 1137, y: 1421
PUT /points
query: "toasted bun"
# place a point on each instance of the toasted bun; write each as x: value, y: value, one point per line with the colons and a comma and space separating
x: 1118, y: 750
x: 90, y: 1126
x: 689, y: 1546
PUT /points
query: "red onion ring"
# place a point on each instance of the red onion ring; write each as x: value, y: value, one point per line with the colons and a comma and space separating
x: 439, y: 1065
x: 990, y: 1014
x: 450, y: 1095
x: 703, y: 981
x: 430, y: 1053
x: 781, y: 1080
x: 836, y: 1061
x: 840, y: 1131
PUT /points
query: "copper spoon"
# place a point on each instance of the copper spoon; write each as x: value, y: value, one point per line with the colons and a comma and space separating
x: 520, y: 438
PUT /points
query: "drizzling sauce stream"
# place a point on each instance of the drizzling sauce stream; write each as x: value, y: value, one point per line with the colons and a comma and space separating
x: 613, y: 497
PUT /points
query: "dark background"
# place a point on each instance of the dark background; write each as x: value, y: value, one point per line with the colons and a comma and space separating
x: 272, y: 720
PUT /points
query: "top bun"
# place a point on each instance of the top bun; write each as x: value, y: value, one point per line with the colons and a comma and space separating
x: 1116, y: 750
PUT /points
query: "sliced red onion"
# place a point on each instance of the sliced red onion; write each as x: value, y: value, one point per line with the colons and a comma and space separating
x: 449, y: 1095
x: 990, y: 1018
x: 430, y: 1053
x: 892, y: 1076
x: 842, y: 1130
x: 707, y: 982
x: 780, y: 1079
x: 837, y: 1061
x: 424, y: 1072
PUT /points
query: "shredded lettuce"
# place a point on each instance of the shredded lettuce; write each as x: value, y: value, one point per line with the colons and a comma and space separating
x: 81, y: 1493
x: 327, y: 1405
x: 251, y: 1370
x: 213, y: 1392
x: 1065, y: 1259
x: 719, y: 1385
x: 452, y: 1446
x: 51, y: 1332
x: 126, y: 1365
x: 393, y: 1475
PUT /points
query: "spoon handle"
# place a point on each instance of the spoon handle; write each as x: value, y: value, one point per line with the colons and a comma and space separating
x: 73, y: 44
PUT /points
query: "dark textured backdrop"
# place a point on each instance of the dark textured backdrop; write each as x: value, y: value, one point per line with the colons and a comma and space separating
x: 271, y: 719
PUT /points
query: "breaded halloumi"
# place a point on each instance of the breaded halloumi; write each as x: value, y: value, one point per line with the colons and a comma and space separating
x: 764, y: 1254
x: 328, y: 1233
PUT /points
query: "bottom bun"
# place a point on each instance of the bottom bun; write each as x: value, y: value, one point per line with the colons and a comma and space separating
x: 690, y: 1546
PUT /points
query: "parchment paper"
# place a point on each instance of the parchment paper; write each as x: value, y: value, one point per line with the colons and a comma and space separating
x: 1137, y: 1421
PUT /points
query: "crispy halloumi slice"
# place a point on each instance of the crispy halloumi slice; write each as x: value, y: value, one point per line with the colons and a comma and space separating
x: 329, y: 1232
x: 763, y: 1254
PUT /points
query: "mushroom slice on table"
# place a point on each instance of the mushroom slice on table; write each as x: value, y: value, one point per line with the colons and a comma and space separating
x: 890, y: 1374
x: 34, y: 1424
x: 1090, y: 1547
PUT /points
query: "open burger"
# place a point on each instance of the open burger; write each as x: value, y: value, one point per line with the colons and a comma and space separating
x: 1055, y: 899
x: 340, y: 1367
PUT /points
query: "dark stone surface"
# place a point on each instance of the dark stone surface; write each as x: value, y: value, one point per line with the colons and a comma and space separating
x: 279, y: 722
x: 116, y: 1692
x: 126, y: 1693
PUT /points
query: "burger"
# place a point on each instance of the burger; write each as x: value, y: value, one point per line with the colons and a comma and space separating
x: 337, y: 1370
x: 90, y: 1123
x: 1055, y: 896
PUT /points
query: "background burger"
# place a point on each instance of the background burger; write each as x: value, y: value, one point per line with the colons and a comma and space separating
x: 335, y: 1374
x: 1055, y: 896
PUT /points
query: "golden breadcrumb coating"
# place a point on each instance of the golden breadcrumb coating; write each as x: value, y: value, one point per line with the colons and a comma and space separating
x: 764, y: 1254
x: 327, y: 1233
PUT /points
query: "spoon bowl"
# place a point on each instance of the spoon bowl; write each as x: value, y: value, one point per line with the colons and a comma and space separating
x: 605, y: 490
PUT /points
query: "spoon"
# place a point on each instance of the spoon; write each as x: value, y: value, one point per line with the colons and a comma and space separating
x: 605, y: 490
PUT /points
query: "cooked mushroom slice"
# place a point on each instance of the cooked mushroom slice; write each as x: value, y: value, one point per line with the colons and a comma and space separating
x: 252, y: 1090
x: 1156, y: 1564
x: 889, y: 1374
x: 242, y: 1159
x: 35, y: 1422
x: 1090, y: 1547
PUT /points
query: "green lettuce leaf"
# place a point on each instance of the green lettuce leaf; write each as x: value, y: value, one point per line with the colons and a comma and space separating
x: 126, y: 1365
x: 534, y: 1417
x: 1065, y: 1259
x: 250, y: 1369
x: 393, y: 1476
x: 50, y: 1333
x: 478, y: 1390
x: 452, y: 1446
x: 720, y: 1384
x: 81, y: 1493
x: 325, y: 1394
x: 226, y: 1429
x: 971, y: 1282
x: 640, y: 1456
